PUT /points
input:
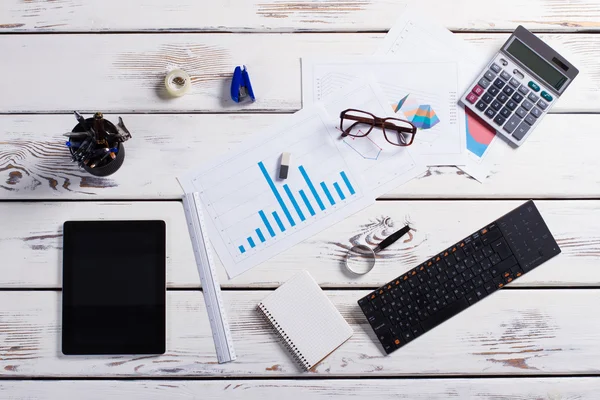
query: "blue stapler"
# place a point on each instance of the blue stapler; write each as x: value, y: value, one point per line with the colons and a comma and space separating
x: 240, y: 85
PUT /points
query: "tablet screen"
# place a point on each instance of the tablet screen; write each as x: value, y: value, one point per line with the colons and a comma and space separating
x: 114, y: 287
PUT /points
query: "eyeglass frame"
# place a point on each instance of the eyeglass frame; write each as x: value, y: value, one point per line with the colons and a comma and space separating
x: 380, y: 122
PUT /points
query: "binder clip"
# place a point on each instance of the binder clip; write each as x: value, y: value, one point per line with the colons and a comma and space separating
x: 240, y: 85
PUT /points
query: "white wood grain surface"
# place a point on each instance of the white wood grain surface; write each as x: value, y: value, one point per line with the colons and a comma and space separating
x: 31, y: 242
x: 560, y: 159
x: 516, y: 332
x: 125, y: 73
x: 313, y: 389
x: 299, y: 15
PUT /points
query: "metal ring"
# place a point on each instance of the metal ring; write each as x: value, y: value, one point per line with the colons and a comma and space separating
x: 367, y: 250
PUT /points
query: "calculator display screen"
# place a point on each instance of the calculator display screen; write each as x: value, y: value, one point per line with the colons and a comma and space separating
x: 536, y: 64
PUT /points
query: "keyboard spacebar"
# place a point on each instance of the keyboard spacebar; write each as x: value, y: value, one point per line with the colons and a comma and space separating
x: 444, y: 314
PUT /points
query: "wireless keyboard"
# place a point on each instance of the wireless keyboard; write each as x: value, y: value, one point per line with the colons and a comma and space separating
x: 460, y: 276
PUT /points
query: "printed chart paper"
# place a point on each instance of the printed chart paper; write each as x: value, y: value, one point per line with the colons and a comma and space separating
x: 423, y: 92
x: 413, y: 32
x: 252, y: 215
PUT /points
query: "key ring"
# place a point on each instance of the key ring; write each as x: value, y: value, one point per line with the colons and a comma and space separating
x: 363, y: 256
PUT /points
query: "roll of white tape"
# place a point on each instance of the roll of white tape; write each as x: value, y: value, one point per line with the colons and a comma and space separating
x: 178, y: 82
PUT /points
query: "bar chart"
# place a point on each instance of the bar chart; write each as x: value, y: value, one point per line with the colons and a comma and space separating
x: 253, y: 215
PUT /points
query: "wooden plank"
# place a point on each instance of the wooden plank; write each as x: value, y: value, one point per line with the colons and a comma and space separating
x: 125, y: 73
x: 313, y: 389
x: 31, y: 242
x: 521, y: 332
x: 275, y: 15
x: 560, y: 157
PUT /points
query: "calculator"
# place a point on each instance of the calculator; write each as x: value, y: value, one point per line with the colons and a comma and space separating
x: 519, y: 86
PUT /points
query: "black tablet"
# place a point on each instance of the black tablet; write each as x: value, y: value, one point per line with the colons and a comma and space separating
x: 114, y: 287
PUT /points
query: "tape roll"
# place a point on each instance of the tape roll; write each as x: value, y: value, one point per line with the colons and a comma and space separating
x: 178, y: 82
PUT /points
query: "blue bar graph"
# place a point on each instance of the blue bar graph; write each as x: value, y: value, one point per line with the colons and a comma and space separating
x: 311, y: 187
x: 327, y: 193
x: 306, y: 202
x: 324, y: 186
x: 339, y: 190
x: 347, y: 182
x: 294, y: 202
x: 278, y: 221
x: 267, y: 223
x: 276, y: 193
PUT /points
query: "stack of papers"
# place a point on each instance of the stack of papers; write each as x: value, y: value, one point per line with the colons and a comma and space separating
x: 418, y: 75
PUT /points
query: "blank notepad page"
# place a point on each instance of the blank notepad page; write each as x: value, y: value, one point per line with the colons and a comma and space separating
x: 307, y: 321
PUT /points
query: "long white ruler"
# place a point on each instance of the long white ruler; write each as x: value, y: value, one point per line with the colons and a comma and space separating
x: 208, y: 278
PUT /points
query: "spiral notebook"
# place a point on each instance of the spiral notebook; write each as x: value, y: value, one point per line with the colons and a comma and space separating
x: 308, y: 323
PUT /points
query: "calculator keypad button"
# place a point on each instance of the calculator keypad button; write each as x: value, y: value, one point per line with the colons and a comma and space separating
x: 490, y: 113
x: 534, y: 86
x: 487, y: 98
x: 481, y: 106
x: 495, y: 67
x: 533, y: 97
x: 542, y: 104
x: 523, y: 90
x: 499, y: 83
x: 521, y: 131
x: 511, y: 105
x: 527, y: 105
x: 512, y: 124
x: 514, y: 83
x: 490, y: 75
x: 471, y: 98
x: 505, y: 112
x: 508, y: 90
x: 505, y: 75
x: 502, y: 98
x: 496, y: 105
x: 521, y: 112
x: 530, y: 119
x: 478, y: 90
x: 546, y: 96
x: 499, y: 119
x: 536, y: 112
x: 484, y: 83
x: 493, y: 90
x: 517, y: 97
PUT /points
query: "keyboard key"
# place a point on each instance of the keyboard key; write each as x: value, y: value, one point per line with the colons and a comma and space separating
x: 478, y: 90
x: 505, y: 75
x: 508, y: 90
x: 533, y: 98
x: 495, y: 259
x: 487, y: 276
x: 546, y: 96
x: 523, y: 90
x: 511, y: 105
x: 512, y: 124
x: 499, y: 83
x: 517, y: 97
x: 489, y: 286
x: 490, y: 113
x: 484, y: 83
x: 536, y: 112
x: 478, y: 256
x: 499, y: 120
x: 493, y: 90
x: 514, y: 83
x: 471, y: 297
x: 505, y: 112
x: 521, y: 112
x: 485, y: 264
x: 534, y: 86
x: 542, y: 104
x: 469, y: 262
x: 442, y: 315
x: 495, y: 67
x: 521, y: 131
x: 502, y: 98
x: 490, y: 236
x: 377, y: 303
x: 496, y: 105
x: 487, y: 98
x: 490, y: 75
x: 501, y: 248
x: 527, y: 105
x: 530, y: 119
x: 480, y: 292
x: 507, y: 264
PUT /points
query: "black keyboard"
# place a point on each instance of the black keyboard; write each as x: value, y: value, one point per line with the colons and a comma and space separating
x: 463, y: 274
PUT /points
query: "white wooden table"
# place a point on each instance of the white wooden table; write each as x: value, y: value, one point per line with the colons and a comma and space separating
x: 539, y: 338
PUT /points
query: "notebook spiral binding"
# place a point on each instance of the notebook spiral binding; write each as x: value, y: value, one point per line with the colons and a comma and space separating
x: 285, y: 338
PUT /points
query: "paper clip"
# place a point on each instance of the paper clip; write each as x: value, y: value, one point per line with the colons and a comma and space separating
x: 240, y: 85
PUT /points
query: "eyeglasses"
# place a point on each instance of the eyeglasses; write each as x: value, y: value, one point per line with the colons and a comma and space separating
x: 357, y: 123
